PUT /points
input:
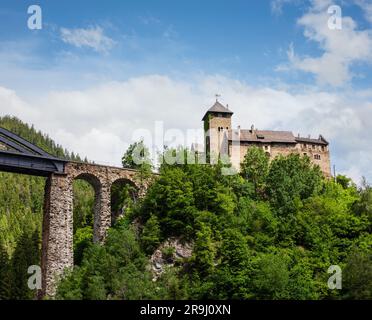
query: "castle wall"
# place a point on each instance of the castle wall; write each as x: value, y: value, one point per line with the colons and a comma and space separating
x: 237, y: 153
x: 311, y: 150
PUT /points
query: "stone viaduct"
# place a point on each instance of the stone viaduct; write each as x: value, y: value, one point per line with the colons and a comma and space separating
x: 57, y: 245
x: 20, y: 156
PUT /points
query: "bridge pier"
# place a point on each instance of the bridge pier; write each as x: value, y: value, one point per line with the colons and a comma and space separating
x: 102, y: 213
x: 57, y: 244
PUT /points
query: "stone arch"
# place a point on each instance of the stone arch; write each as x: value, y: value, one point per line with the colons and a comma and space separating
x: 90, y: 178
x: 117, y: 197
x: 97, y: 179
x: 96, y: 184
x: 57, y: 252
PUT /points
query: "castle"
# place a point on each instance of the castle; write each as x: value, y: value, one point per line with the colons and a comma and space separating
x: 221, y: 139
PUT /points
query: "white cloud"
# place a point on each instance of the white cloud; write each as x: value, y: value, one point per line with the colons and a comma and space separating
x: 11, y: 104
x: 100, y: 122
x: 91, y: 37
x: 341, y: 48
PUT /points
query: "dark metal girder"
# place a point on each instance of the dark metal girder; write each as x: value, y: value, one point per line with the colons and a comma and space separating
x: 30, y: 164
x: 26, y: 158
x: 24, y: 143
x: 14, y: 145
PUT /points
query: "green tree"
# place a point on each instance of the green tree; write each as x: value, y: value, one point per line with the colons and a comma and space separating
x: 25, y: 255
x: 271, y: 277
x: 357, y: 275
x: 344, y: 181
x: 123, y: 198
x: 232, y: 279
x: 83, y: 238
x: 5, y: 275
x: 84, y: 197
x: 204, y: 251
x: 117, y: 270
x: 137, y: 156
x: 171, y: 199
x: 257, y: 219
x: 150, y: 238
x: 363, y: 205
x: 292, y: 179
x: 255, y: 168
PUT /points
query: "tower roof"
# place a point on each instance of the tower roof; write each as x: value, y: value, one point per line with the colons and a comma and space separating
x: 217, y: 108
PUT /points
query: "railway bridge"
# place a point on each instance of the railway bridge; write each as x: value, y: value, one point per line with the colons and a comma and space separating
x: 20, y: 156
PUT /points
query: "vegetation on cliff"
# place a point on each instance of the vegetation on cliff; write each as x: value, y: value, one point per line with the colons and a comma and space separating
x: 271, y: 232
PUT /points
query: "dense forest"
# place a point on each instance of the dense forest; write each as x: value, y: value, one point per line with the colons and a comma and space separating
x: 270, y: 232
x: 21, y: 209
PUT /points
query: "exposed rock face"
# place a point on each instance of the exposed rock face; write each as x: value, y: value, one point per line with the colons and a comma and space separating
x: 171, y: 251
x: 57, y: 253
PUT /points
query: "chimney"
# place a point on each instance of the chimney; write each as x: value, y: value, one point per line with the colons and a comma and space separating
x: 252, y: 127
x: 227, y: 106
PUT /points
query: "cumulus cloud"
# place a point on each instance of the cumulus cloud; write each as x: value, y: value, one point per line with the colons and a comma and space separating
x: 102, y: 121
x: 340, y: 48
x: 91, y: 37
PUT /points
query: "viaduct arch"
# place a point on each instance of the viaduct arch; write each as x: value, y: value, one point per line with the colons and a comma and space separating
x: 20, y: 156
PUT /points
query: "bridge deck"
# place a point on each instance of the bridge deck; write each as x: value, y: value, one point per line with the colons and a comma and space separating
x: 30, y: 164
x: 21, y: 156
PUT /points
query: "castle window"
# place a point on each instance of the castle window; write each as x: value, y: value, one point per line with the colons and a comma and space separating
x: 305, y: 145
x: 316, y: 156
x: 305, y: 154
x: 266, y: 148
x: 313, y: 146
x: 322, y: 148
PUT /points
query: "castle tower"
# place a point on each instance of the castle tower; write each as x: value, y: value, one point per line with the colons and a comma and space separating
x: 217, y: 123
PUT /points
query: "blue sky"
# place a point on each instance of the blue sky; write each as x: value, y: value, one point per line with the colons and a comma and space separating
x: 275, y: 62
x: 243, y: 39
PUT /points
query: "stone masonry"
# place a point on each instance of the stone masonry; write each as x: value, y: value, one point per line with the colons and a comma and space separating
x: 57, y: 251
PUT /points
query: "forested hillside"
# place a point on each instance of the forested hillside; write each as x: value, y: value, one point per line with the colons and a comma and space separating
x: 270, y: 232
x: 21, y: 206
